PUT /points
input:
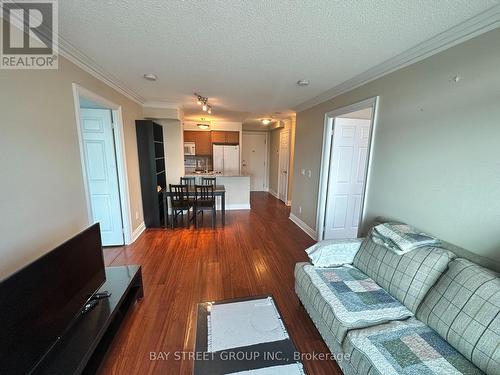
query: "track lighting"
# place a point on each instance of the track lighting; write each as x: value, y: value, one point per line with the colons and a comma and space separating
x: 203, y: 101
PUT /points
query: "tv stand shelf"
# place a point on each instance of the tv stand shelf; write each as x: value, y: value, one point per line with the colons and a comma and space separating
x: 84, y: 345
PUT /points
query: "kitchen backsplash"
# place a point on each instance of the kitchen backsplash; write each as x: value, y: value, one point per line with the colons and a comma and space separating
x: 197, y: 163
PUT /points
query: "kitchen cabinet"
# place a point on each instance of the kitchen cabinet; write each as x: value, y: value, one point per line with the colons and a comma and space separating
x: 189, y: 136
x: 218, y: 136
x: 203, y: 144
x: 233, y: 138
x: 202, y: 141
x: 225, y: 137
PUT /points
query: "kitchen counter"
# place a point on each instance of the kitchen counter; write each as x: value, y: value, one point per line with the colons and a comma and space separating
x: 211, y: 174
x: 237, y: 188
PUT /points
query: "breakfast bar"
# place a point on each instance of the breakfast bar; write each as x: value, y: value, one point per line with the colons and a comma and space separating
x: 237, y: 189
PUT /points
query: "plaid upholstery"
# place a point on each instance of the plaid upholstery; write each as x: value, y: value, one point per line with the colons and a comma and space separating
x: 406, y: 277
x: 404, y: 347
x: 347, y: 299
x: 463, y: 307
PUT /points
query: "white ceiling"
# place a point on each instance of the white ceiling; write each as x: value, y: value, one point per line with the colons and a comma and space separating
x: 247, y: 55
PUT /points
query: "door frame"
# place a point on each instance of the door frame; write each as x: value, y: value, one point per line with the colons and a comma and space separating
x: 283, y: 130
x: 121, y: 161
x: 329, y: 124
x: 266, y: 172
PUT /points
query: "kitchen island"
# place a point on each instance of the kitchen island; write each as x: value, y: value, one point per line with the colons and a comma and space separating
x: 237, y: 189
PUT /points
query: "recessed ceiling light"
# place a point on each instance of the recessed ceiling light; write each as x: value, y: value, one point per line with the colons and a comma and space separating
x: 266, y: 121
x: 302, y: 82
x: 150, y: 77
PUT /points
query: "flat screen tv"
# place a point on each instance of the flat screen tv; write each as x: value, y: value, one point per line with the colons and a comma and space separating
x: 39, y: 302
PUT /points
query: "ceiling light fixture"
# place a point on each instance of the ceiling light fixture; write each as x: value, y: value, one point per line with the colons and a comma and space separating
x: 203, y: 101
x: 204, y: 126
x: 303, y: 82
x: 266, y: 121
x: 150, y: 77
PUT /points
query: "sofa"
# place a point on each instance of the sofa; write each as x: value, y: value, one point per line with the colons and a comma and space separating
x: 426, y: 311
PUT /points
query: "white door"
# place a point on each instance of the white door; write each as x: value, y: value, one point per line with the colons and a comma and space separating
x: 283, y: 165
x: 347, y: 175
x: 101, y: 172
x: 218, y: 158
x: 253, y: 163
x: 231, y: 160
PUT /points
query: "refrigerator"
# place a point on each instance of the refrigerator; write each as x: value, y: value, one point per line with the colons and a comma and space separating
x: 226, y: 159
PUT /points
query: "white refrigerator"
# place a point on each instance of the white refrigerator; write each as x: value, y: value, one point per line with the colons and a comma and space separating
x: 226, y: 159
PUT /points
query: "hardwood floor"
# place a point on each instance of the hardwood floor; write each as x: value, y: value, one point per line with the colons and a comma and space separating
x: 254, y: 254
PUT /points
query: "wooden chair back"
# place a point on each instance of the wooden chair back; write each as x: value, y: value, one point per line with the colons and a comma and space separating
x: 208, y: 181
x: 179, y: 195
x: 188, y: 181
x: 205, y: 196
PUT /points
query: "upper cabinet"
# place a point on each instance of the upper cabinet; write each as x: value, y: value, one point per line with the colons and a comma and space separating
x: 223, y: 137
x: 233, y: 138
x: 218, y: 136
x: 204, y: 140
x: 201, y: 139
x: 203, y: 144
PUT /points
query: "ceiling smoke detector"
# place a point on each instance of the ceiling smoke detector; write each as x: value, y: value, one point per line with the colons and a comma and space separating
x: 303, y: 82
x: 150, y: 77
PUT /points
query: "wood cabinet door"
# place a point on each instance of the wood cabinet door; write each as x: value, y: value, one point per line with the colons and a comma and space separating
x: 233, y: 138
x: 218, y: 136
x: 189, y: 136
x: 203, y: 143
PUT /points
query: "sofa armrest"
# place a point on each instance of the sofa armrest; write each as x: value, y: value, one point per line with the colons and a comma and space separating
x: 333, y: 253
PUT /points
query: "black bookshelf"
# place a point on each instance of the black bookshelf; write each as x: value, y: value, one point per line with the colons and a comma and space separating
x: 152, y: 170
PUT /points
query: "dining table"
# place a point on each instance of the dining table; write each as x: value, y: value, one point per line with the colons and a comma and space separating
x: 219, y: 191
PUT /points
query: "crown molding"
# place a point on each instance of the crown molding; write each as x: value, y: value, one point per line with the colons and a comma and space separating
x: 160, y: 104
x: 71, y: 53
x: 477, y: 25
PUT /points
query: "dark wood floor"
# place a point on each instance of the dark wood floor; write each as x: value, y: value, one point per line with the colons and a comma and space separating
x: 254, y: 254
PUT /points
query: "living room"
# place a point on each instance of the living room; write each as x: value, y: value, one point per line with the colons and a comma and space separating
x: 365, y: 243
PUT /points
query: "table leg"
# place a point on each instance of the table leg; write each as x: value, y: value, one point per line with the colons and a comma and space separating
x: 165, y: 209
x: 223, y: 204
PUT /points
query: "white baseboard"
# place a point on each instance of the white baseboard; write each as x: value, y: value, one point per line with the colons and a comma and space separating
x: 306, y: 228
x: 273, y: 193
x: 138, y: 231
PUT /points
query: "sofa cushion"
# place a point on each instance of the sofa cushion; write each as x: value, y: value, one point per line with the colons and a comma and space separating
x: 407, y: 277
x: 463, y: 307
x: 404, y: 347
x: 347, y: 298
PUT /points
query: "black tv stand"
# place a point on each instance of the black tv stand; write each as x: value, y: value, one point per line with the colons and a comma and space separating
x: 82, y: 349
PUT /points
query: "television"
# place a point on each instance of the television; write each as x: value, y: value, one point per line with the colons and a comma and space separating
x: 41, y: 301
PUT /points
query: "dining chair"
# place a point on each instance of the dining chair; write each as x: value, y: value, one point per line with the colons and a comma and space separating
x: 180, y: 202
x: 204, y: 201
x: 208, y: 180
x: 189, y: 181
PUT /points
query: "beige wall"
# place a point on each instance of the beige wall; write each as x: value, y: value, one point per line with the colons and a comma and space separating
x: 42, y: 197
x: 436, y: 158
x: 174, y: 149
